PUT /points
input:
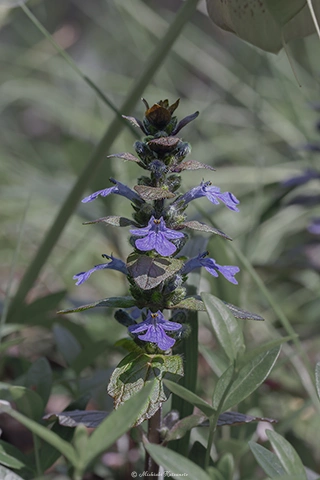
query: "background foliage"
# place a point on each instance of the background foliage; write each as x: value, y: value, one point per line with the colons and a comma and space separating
x: 255, y: 122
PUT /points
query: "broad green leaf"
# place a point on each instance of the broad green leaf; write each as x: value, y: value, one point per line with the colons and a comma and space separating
x: 175, y: 463
x: 225, y: 326
x: 222, y: 386
x: 251, y: 376
x: 112, y: 302
x: 27, y: 401
x: 61, y: 445
x: 318, y: 378
x: 263, y: 348
x: 286, y: 454
x: 11, y: 457
x: 117, y: 423
x: 80, y: 440
x: 264, y: 23
x: 149, y: 272
x: 7, y: 474
x: 267, y: 460
x: 67, y: 344
x: 39, y: 378
x: 190, y: 397
x: 137, y: 369
x: 226, y: 466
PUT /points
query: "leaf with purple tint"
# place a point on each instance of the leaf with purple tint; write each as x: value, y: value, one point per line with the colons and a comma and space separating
x: 163, y: 144
x: 153, y: 193
x: 243, y: 314
x: 190, y: 165
x: 185, y: 122
x: 114, y: 221
x: 112, y: 302
x: 148, y: 272
x: 202, y: 227
x: 136, y: 122
x: 137, y: 369
x: 89, y: 418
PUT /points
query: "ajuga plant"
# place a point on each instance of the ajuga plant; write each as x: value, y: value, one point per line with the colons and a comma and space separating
x: 156, y: 311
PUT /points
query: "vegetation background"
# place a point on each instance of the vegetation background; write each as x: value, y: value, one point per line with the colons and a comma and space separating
x: 254, y: 127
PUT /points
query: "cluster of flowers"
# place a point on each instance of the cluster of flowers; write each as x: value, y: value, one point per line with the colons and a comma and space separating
x: 159, y: 223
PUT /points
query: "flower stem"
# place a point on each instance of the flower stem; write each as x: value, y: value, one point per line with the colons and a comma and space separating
x: 154, y: 424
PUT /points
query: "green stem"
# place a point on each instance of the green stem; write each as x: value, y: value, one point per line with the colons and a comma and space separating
x: 69, y: 205
x: 154, y: 424
x: 36, y: 454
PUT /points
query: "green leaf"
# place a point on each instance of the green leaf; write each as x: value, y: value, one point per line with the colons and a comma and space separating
x: 222, y: 386
x: 148, y: 272
x: 62, y: 446
x: 202, y: 227
x: 251, y: 376
x: 226, y: 328
x: 190, y: 397
x: 117, y: 423
x: 226, y: 466
x: 135, y: 370
x: 214, y: 474
x: 27, y: 401
x: 318, y: 378
x: 39, y: 378
x: 267, y: 460
x: 112, y: 302
x: 287, y: 455
x: 67, y: 344
x: 264, y: 348
x: 11, y: 457
x: 181, y: 427
x: 190, y: 303
x: 175, y: 463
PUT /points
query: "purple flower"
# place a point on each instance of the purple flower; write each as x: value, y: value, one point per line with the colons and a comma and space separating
x: 155, y: 325
x: 206, y: 189
x: 228, y: 271
x: 119, y: 189
x: 314, y: 226
x: 115, y: 264
x: 156, y: 237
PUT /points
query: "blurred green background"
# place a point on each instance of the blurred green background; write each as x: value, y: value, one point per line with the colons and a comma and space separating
x: 254, y: 123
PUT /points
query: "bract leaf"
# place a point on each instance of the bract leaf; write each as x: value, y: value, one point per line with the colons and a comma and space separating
x: 190, y: 165
x: 125, y: 156
x: 286, y: 454
x: 163, y: 144
x: 137, y: 369
x: 283, y: 10
x: 114, y: 221
x: 153, y: 193
x: 236, y: 418
x: 89, y: 418
x: 251, y: 376
x: 190, y: 303
x: 112, y: 302
x: 243, y: 314
x: 148, y: 272
x: 190, y: 397
x: 175, y: 463
x: 202, y: 227
x: 226, y: 328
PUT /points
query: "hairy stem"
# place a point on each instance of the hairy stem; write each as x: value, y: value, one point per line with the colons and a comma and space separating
x: 154, y: 424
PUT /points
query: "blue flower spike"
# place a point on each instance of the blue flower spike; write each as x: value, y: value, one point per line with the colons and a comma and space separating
x: 156, y: 236
x: 155, y: 326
